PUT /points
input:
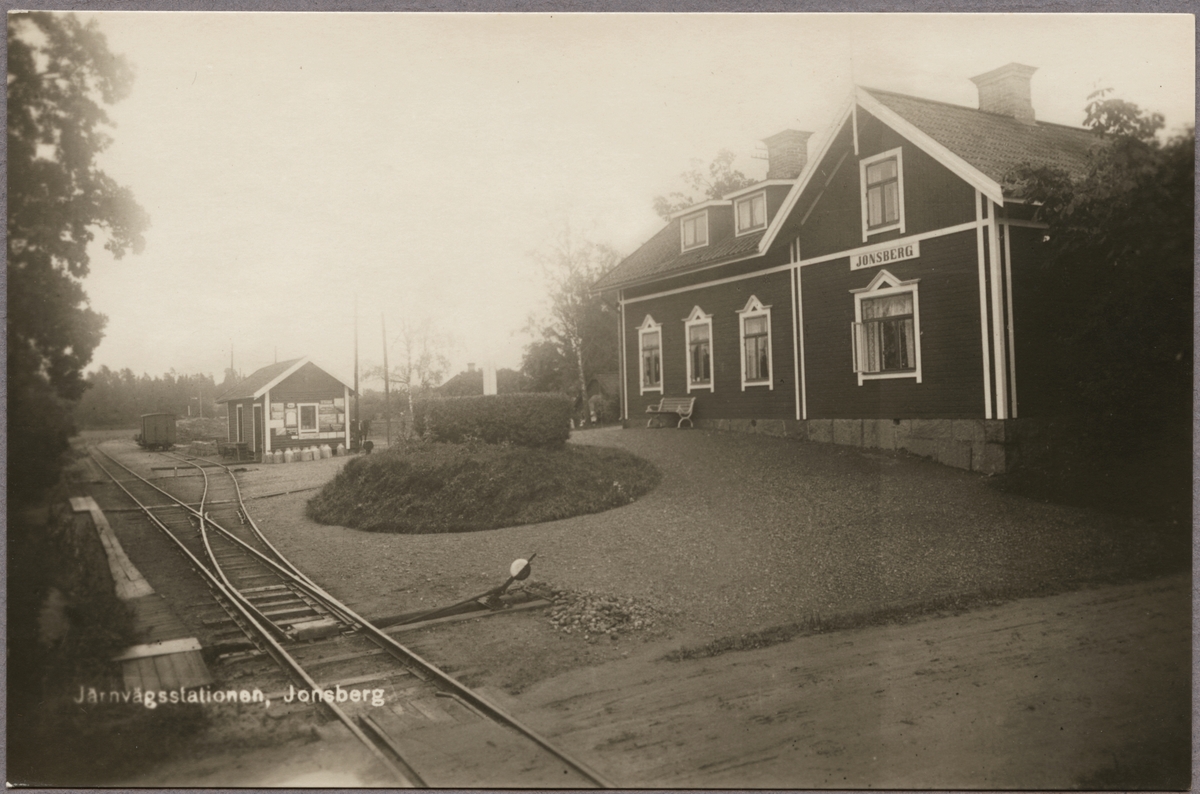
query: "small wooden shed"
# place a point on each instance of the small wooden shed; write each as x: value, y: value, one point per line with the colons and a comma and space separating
x: 288, y: 404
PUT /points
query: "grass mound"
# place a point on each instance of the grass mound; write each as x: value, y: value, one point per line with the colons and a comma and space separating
x: 422, y: 488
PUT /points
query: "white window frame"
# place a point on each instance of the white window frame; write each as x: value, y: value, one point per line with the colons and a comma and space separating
x: 300, y: 431
x: 648, y: 326
x: 755, y: 308
x: 863, y: 164
x: 695, y: 319
x: 883, y: 285
x: 683, y: 222
x: 737, y: 216
x: 238, y: 413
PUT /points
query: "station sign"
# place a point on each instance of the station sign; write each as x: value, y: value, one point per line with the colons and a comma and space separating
x: 885, y: 254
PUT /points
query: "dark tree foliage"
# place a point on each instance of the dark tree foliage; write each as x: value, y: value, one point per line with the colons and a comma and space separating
x: 61, y: 74
x: 1120, y: 254
x: 118, y: 399
x: 719, y: 178
x: 1118, y: 343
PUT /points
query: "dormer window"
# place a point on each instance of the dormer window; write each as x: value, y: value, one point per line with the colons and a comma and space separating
x: 751, y: 213
x: 882, y: 186
x: 693, y: 231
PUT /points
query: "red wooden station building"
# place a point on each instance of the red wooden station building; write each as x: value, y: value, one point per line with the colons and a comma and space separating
x: 870, y: 295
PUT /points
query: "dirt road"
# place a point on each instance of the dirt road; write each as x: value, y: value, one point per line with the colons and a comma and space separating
x: 1039, y: 693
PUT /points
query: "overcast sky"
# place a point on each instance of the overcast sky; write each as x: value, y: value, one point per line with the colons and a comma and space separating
x: 292, y: 161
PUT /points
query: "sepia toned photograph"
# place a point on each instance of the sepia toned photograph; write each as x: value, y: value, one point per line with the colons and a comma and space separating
x: 599, y: 400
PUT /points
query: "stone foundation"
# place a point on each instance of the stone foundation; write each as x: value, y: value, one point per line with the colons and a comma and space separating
x: 988, y: 446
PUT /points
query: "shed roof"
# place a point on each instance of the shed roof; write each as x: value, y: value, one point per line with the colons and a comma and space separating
x: 260, y: 381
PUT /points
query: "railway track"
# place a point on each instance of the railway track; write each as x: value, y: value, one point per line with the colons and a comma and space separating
x: 425, y: 727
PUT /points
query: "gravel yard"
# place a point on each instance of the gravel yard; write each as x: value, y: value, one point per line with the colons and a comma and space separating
x: 748, y: 532
x: 744, y: 532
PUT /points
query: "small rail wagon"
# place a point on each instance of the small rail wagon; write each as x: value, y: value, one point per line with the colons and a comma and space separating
x: 158, y: 431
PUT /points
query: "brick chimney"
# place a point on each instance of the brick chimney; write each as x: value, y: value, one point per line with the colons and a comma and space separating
x: 787, y: 154
x: 1006, y: 91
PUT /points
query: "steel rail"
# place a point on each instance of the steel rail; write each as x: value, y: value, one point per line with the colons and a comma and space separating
x: 216, y: 563
x: 245, y: 512
x: 199, y: 514
x: 277, y: 651
x: 303, y: 582
x: 399, y: 651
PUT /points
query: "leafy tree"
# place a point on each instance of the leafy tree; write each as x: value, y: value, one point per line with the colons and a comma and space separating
x: 545, y: 367
x: 578, y: 337
x: 118, y: 399
x: 422, y: 361
x: 1120, y: 248
x: 719, y: 178
x: 61, y: 74
x: 1120, y: 265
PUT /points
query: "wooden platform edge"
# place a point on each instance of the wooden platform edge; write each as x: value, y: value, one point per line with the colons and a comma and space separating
x: 127, y: 579
x: 161, y: 648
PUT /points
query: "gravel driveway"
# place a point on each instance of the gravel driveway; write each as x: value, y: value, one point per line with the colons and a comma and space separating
x: 744, y: 532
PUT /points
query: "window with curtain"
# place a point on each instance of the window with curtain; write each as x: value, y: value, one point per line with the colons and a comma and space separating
x: 886, y: 338
x: 756, y: 341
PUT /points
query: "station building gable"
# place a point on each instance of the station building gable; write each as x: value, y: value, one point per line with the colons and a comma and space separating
x: 877, y: 306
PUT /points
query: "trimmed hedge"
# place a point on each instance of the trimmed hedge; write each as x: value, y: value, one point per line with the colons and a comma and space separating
x: 524, y: 419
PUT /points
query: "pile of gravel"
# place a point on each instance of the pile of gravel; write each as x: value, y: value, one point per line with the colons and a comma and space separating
x: 596, y: 615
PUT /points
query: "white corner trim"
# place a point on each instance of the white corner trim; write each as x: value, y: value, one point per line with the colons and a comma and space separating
x: 983, y: 334
x: 623, y: 357
x: 995, y: 275
x: 798, y: 345
x: 267, y: 421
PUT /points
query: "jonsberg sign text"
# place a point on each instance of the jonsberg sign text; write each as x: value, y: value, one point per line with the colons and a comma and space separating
x: 884, y: 254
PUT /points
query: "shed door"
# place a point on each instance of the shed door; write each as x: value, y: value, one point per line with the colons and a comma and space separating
x: 258, y: 428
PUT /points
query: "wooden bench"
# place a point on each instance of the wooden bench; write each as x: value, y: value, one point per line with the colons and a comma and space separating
x: 673, y: 405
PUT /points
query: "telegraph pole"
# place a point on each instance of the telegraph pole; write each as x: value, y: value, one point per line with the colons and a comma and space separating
x: 357, y: 423
x: 387, y: 383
